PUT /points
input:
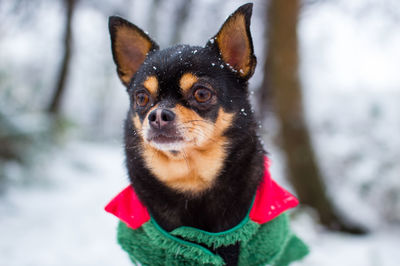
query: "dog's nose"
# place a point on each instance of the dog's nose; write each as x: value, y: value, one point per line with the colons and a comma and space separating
x: 160, y: 118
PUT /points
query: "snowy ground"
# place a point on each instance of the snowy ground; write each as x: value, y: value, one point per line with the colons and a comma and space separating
x: 379, y: 248
x: 59, y: 219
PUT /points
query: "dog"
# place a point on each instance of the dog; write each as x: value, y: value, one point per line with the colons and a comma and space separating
x: 201, y: 192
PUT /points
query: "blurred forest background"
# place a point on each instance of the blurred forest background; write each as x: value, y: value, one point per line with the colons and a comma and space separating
x: 326, y: 91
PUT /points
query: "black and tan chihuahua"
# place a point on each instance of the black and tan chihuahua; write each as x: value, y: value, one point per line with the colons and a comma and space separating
x: 192, y: 152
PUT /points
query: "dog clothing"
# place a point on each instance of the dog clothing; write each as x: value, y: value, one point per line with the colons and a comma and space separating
x: 264, y: 235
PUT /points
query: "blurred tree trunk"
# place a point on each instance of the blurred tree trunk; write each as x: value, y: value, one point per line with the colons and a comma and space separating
x: 55, y: 102
x: 281, y: 83
x: 152, y: 22
x: 181, y: 17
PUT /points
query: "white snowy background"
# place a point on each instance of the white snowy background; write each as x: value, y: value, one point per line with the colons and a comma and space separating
x: 51, y: 209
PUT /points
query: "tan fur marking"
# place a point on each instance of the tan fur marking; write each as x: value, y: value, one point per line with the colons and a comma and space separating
x: 151, y: 84
x: 137, y: 123
x: 195, y: 168
x: 187, y: 80
x: 131, y: 49
x: 234, y: 44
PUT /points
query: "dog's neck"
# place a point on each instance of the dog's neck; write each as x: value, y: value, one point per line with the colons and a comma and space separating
x: 190, y: 171
x: 218, y: 208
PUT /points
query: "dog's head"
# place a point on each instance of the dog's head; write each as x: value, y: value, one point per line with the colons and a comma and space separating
x: 184, y: 99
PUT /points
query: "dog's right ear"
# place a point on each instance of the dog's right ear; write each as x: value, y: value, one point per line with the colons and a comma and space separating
x: 130, y: 46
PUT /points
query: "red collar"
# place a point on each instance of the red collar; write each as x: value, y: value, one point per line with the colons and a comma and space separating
x: 270, y: 201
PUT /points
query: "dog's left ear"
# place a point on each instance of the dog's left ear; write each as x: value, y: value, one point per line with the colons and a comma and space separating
x: 234, y: 43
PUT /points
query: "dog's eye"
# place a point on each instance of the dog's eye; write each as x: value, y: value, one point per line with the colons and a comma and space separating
x: 142, y: 99
x: 202, y: 95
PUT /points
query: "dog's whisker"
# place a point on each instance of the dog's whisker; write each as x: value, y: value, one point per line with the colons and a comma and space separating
x: 186, y: 159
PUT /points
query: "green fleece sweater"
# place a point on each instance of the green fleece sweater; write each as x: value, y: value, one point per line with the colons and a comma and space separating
x: 264, y: 235
x: 271, y: 243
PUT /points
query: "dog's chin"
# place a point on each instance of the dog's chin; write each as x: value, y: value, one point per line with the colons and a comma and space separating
x: 167, y: 143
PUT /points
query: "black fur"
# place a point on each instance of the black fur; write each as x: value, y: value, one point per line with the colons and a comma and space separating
x: 226, y: 203
x: 230, y: 254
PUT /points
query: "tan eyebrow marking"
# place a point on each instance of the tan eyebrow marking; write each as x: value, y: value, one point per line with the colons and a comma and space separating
x: 187, y: 80
x: 151, y: 84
